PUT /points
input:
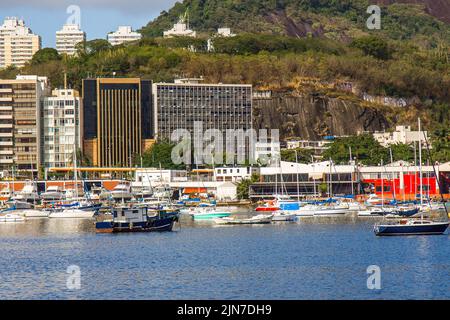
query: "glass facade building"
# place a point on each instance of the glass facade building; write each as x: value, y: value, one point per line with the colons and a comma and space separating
x: 117, y: 120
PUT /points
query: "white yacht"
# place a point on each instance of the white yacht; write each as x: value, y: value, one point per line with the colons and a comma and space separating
x: 11, y: 217
x: 122, y: 192
x: 28, y: 193
x: 71, y: 214
x: 332, y: 210
x: 53, y: 193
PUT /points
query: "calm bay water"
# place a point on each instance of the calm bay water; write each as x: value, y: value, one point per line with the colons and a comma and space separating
x: 312, y: 259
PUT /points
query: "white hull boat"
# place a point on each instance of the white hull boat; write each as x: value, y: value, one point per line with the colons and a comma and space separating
x: 259, y: 219
x: 333, y: 211
x: 10, y: 217
x: 283, y: 216
x: 53, y: 193
x: 35, y: 214
x: 72, y: 214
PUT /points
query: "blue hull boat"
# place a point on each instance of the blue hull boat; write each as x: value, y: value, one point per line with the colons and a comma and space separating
x: 138, y: 220
x: 411, y: 227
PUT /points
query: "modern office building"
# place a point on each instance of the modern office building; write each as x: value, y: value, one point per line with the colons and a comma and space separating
x: 68, y: 37
x: 117, y: 120
x: 60, y: 135
x: 122, y: 35
x: 217, y: 106
x: 20, y: 104
x: 17, y: 43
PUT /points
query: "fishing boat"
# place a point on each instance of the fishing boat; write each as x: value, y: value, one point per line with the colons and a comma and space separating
x: 52, y: 193
x: 138, y: 219
x: 410, y: 227
x: 11, y: 217
x: 208, y: 213
x: 259, y: 219
x: 28, y: 193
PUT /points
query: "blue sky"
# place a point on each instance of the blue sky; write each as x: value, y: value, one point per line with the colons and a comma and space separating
x: 98, y: 17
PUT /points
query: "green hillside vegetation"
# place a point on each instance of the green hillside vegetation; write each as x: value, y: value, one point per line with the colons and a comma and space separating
x: 340, y: 20
x: 408, y: 58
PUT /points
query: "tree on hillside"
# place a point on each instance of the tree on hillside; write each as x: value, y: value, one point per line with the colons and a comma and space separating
x: 45, y: 55
x: 373, y: 46
x: 303, y: 155
x: 365, y: 150
x: 93, y: 47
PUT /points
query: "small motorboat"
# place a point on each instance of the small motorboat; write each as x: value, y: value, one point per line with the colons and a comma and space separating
x: 375, y: 212
x: 267, y: 207
x: 138, y: 219
x: 208, y: 213
x: 306, y: 211
x: 279, y: 216
x: 407, y: 227
x: 11, y: 217
x: 71, y: 214
x: 259, y: 219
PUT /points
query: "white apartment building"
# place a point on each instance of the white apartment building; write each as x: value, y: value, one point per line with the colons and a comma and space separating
x: 319, y: 146
x: 402, y: 134
x: 267, y: 152
x: 17, y: 43
x: 20, y: 122
x: 61, y: 128
x: 68, y: 37
x: 234, y: 174
x: 122, y: 35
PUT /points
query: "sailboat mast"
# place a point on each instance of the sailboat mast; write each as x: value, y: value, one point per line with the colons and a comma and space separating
x: 420, y: 162
x: 298, y: 187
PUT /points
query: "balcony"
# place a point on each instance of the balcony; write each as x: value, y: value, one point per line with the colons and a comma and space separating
x: 6, y: 161
x: 6, y: 116
x: 6, y: 126
x: 6, y: 90
x: 6, y: 99
x: 6, y: 134
x: 6, y: 152
x: 6, y: 143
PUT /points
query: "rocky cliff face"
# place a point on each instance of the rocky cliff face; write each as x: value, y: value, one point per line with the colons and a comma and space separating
x: 311, y: 117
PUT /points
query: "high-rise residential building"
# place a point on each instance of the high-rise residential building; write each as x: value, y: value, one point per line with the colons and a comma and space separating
x: 60, y: 135
x: 68, y: 38
x: 17, y: 43
x: 218, y: 106
x: 117, y: 120
x: 20, y: 105
x: 122, y: 35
